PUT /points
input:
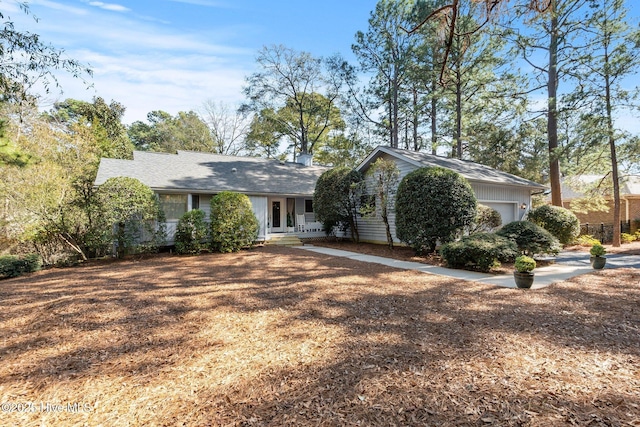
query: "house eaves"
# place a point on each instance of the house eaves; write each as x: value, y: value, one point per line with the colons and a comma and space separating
x: 473, y: 172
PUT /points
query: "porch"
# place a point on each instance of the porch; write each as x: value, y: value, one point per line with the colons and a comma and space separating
x: 291, y: 216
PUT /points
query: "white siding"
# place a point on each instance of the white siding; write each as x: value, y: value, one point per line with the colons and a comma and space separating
x: 260, y: 209
x: 507, y: 199
x: 205, y: 205
x: 171, y: 232
x: 372, y: 229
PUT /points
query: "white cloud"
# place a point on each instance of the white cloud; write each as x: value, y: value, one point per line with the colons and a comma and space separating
x: 143, y: 64
x: 109, y: 6
x: 143, y: 83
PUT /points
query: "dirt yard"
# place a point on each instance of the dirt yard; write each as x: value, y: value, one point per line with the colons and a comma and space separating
x: 284, y: 337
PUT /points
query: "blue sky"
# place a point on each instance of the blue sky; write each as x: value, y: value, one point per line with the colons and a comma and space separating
x: 174, y: 55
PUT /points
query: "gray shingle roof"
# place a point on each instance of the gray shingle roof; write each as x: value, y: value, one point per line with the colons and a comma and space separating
x: 468, y: 169
x: 577, y: 186
x: 212, y: 173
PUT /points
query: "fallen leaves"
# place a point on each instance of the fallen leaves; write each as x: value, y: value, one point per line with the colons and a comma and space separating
x: 285, y: 337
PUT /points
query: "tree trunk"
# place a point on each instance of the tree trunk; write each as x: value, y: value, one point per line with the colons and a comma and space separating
x: 121, y: 250
x: 434, y: 124
x: 355, y: 233
x: 384, y: 212
x: 304, y: 149
x: 552, y: 115
x: 395, y: 124
x: 416, y: 144
x: 391, y: 140
x: 612, y: 147
x: 458, y: 132
x: 406, y: 133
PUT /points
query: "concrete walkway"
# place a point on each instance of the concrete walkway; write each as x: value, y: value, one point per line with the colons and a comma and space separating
x: 568, y: 264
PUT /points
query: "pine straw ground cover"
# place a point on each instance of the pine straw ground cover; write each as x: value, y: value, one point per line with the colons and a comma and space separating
x: 284, y: 337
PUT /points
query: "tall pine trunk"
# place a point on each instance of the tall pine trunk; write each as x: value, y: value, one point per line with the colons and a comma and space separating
x: 457, y: 152
x: 612, y: 146
x: 395, y: 124
x: 416, y: 145
x: 434, y: 123
x: 552, y: 115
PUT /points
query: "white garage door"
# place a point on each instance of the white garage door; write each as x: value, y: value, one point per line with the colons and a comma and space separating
x: 507, y: 210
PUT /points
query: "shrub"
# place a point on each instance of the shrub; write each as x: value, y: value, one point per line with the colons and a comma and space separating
x: 479, y: 251
x: 191, y: 232
x: 560, y: 222
x: 131, y: 212
x: 525, y: 264
x: 336, y: 197
x: 433, y: 204
x: 530, y: 238
x: 587, y: 240
x: 487, y: 219
x: 12, y: 266
x: 233, y: 224
x: 597, y: 250
x: 627, y: 238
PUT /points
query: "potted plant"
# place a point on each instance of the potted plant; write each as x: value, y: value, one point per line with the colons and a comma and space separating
x: 598, y: 260
x: 524, y: 271
x: 290, y: 228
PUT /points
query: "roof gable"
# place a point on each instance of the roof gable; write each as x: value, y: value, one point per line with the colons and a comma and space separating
x: 470, y: 170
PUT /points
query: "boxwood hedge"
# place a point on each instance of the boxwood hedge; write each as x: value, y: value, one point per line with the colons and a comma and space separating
x: 433, y: 204
x: 479, y: 251
x: 560, y: 222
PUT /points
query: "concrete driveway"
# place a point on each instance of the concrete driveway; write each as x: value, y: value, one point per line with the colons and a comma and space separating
x: 568, y: 264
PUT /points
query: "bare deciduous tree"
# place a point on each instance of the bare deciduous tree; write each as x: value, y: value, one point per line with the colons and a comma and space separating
x: 229, y: 127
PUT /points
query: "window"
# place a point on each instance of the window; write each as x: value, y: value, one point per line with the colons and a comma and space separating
x: 173, y: 205
x: 308, y: 205
x: 195, y: 201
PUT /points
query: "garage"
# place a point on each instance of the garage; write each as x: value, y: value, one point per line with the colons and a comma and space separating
x: 508, y: 210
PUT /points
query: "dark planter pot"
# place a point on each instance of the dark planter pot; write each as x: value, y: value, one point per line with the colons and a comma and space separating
x: 598, y: 262
x: 523, y: 280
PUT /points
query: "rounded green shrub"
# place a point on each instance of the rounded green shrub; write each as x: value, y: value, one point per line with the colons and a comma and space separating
x: 480, y: 251
x: 530, y: 238
x: 191, y: 232
x: 334, y: 198
x: 13, y: 266
x: 525, y: 264
x: 597, y: 250
x: 233, y: 224
x: 487, y: 219
x: 130, y: 212
x: 560, y: 222
x: 433, y: 204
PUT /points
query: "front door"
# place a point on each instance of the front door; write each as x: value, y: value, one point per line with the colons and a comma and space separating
x: 277, y: 215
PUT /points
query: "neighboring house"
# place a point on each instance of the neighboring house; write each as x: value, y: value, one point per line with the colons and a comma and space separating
x: 508, y: 194
x: 576, y: 187
x: 187, y: 180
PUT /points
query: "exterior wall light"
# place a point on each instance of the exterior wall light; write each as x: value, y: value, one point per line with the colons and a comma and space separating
x: 523, y: 206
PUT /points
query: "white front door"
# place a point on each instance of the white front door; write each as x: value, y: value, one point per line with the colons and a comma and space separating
x: 277, y: 215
